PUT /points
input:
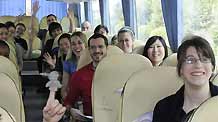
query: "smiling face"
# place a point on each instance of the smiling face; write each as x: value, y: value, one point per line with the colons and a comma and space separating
x: 125, y: 42
x: 3, y: 34
x: 64, y: 45
x: 97, y: 49
x: 156, y: 53
x: 77, y: 45
x: 196, y: 69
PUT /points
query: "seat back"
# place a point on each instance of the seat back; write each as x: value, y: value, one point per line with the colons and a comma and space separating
x: 11, y: 99
x: 85, y: 57
x: 6, y: 115
x: 206, y: 112
x: 4, y: 19
x: 9, y: 68
x: 170, y: 60
x: 110, y: 76
x: 145, y: 88
x: 138, y: 50
x: 43, y: 23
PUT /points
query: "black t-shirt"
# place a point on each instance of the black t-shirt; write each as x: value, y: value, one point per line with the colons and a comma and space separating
x: 170, y: 109
x: 48, y: 47
x: 22, y: 42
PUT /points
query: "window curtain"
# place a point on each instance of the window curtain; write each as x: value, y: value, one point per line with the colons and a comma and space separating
x: 88, y: 11
x: 172, y: 13
x: 12, y: 7
x: 129, y: 13
x: 105, y: 13
x: 77, y: 12
x: 51, y: 7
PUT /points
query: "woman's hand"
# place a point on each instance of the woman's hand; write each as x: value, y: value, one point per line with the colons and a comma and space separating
x: 51, y: 61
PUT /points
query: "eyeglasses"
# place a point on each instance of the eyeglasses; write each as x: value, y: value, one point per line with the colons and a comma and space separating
x: 193, y: 60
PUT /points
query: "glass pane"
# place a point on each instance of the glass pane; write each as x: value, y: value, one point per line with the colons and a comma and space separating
x: 150, y: 20
x: 116, y: 16
x: 12, y: 7
x: 96, y: 13
x: 200, y: 17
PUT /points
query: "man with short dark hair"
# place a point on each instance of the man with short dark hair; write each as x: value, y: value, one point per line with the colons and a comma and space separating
x: 80, y: 83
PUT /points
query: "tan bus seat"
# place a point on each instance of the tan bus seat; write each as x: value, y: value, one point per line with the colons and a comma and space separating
x: 6, y: 115
x: 10, y: 97
x: 207, y: 112
x: 9, y: 68
x: 145, y: 88
x: 170, y: 60
x: 110, y: 76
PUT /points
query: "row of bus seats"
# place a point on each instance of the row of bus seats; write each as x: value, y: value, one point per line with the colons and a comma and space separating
x: 125, y: 86
x: 10, y: 91
x: 36, y: 46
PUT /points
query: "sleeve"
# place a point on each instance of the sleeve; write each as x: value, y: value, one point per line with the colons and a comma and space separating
x: 159, y: 113
x: 19, y: 54
x: 66, y: 67
x: 73, y: 92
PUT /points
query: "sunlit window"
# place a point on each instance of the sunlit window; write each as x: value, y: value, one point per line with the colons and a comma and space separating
x: 116, y: 16
x: 201, y: 18
x: 150, y: 19
x: 96, y: 13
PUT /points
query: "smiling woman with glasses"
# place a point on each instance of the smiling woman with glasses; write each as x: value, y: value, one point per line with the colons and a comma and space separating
x: 196, y: 63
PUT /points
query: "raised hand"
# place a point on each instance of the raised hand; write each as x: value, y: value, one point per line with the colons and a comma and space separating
x: 35, y: 7
x: 51, y: 61
x: 70, y: 13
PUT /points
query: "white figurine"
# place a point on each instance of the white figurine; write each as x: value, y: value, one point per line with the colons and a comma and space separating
x: 53, y: 84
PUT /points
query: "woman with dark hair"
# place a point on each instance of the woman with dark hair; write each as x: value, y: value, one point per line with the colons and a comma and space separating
x: 60, y: 52
x: 101, y: 29
x: 196, y: 63
x: 155, y: 50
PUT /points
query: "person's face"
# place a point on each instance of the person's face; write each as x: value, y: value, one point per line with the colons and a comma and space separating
x: 64, y: 45
x: 156, y: 53
x: 77, y: 45
x: 196, y: 70
x: 11, y: 31
x: 97, y: 49
x: 51, y: 19
x: 4, y: 52
x: 3, y: 34
x: 20, y: 30
x: 103, y: 32
x: 56, y: 32
x: 86, y: 26
x: 125, y: 42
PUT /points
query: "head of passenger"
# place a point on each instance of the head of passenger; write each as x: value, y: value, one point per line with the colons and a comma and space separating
x: 4, y: 49
x: 64, y: 43
x: 78, y: 43
x: 196, y: 61
x: 51, y: 18
x: 114, y: 40
x: 54, y: 29
x: 11, y: 28
x: 155, y: 50
x: 86, y: 26
x: 126, y: 38
x: 20, y: 29
x: 101, y: 29
x: 97, y: 45
x: 3, y: 32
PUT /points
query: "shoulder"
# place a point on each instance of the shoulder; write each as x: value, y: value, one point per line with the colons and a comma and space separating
x: 165, y: 103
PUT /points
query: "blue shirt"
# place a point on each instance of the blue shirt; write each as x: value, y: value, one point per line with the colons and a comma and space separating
x: 69, y: 67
